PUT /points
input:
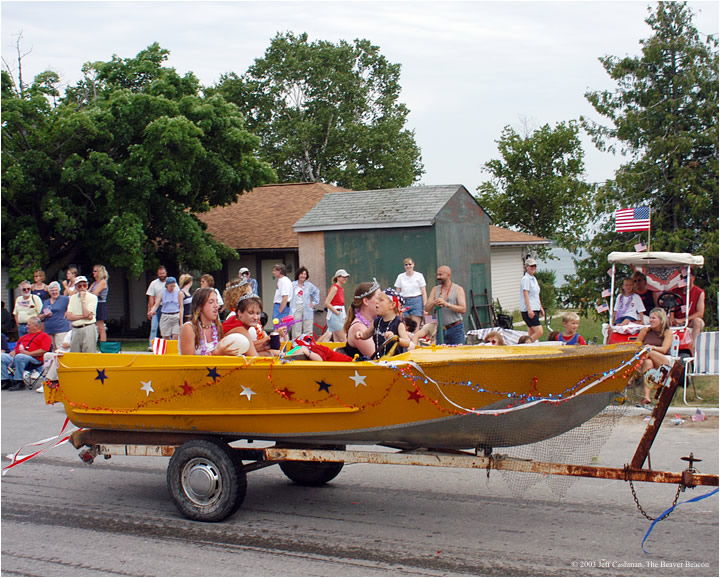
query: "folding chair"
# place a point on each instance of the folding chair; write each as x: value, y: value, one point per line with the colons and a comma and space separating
x: 705, y: 361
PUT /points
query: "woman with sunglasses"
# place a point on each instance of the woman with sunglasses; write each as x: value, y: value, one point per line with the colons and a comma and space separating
x: 413, y: 289
x: 27, y: 305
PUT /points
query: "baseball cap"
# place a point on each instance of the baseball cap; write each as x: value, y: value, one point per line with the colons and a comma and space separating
x: 243, y: 270
x: 341, y: 273
x: 80, y: 279
x: 530, y: 262
x: 170, y: 280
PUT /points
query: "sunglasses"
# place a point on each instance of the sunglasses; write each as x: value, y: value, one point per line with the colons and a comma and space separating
x: 81, y: 284
x: 408, y: 264
x: 26, y: 290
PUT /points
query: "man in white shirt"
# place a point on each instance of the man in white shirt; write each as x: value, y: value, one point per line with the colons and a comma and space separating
x: 81, y: 314
x: 283, y: 293
x: 154, y: 293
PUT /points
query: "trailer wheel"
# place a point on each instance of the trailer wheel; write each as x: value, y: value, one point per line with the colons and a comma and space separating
x: 313, y: 473
x: 206, y: 480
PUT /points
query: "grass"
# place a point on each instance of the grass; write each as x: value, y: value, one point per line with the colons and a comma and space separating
x: 707, y: 389
x: 589, y: 328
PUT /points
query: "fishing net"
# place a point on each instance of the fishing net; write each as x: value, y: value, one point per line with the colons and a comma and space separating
x: 579, y: 446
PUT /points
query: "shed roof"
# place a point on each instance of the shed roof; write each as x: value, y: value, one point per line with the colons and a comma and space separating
x: 500, y: 237
x: 263, y: 217
x: 383, y: 208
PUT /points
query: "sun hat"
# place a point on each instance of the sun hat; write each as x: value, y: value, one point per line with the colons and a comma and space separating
x: 341, y: 273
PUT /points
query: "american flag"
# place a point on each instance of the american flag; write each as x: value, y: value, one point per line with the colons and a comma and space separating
x: 637, y: 219
x: 640, y: 247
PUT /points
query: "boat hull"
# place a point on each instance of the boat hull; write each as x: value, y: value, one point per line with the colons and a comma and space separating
x: 443, y: 397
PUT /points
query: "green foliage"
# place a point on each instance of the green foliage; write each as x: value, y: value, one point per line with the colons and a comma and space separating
x: 117, y: 169
x: 663, y: 115
x: 537, y: 184
x: 548, y: 292
x: 328, y: 112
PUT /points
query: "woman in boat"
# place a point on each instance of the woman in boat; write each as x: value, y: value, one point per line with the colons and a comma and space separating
x: 363, y: 310
x: 659, y: 338
x: 388, y: 324
x: 202, y: 335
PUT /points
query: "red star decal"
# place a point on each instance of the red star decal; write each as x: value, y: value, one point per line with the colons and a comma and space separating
x: 286, y: 393
x: 187, y: 389
x: 414, y: 394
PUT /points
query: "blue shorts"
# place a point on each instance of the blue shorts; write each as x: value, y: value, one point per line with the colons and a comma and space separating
x: 335, y: 322
x: 414, y: 306
x: 101, y: 312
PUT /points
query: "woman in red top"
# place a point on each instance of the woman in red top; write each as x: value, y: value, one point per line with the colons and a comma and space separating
x: 335, y: 305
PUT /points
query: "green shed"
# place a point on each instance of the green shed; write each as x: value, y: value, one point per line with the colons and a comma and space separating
x: 370, y: 233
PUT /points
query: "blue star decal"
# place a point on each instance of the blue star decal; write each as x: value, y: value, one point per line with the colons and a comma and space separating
x: 101, y: 376
x: 213, y: 373
x: 324, y: 386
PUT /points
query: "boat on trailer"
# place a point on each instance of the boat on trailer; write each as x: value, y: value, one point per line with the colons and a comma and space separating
x: 217, y: 418
x: 440, y: 397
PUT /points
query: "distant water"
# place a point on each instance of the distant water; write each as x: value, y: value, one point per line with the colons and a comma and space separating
x: 562, y: 266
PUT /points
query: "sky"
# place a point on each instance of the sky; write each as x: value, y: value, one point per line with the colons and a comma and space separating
x: 468, y: 68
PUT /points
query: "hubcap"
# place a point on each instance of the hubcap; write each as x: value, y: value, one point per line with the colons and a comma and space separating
x: 201, y: 481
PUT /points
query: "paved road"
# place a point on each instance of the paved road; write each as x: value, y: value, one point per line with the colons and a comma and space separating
x: 115, y: 518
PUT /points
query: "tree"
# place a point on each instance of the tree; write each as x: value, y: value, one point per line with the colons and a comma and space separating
x: 663, y: 115
x: 537, y: 185
x: 328, y: 112
x: 116, y: 171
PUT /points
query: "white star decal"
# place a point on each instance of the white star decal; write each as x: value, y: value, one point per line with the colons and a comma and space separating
x: 359, y: 379
x: 147, y: 387
x: 247, y: 392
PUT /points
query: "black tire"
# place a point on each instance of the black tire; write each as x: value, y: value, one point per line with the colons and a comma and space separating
x: 206, y: 480
x: 313, y: 473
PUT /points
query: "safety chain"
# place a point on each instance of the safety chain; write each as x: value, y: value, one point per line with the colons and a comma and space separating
x: 639, y: 507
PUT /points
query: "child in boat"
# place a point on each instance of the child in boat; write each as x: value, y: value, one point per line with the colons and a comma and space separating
x: 494, y: 338
x: 234, y: 290
x: 629, y: 307
x: 423, y: 336
x: 202, y: 335
x: 569, y: 335
x: 247, y: 322
x: 387, y: 324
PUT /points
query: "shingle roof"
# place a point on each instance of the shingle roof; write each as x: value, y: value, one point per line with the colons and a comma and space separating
x: 263, y: 218
x: 500, y: 236
x: 383, y: 208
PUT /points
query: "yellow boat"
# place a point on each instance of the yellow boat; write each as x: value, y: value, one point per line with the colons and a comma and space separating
x: 435, y: 397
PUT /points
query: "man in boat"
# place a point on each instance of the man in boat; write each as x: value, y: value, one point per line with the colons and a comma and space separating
x: 451, y: 297
x: 28, y: 354
x: 696, y: 310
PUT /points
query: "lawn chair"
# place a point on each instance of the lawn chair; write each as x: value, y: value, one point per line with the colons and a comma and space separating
x: 705, y: 361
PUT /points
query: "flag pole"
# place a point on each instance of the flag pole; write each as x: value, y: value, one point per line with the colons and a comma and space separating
x: 649, y: 227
